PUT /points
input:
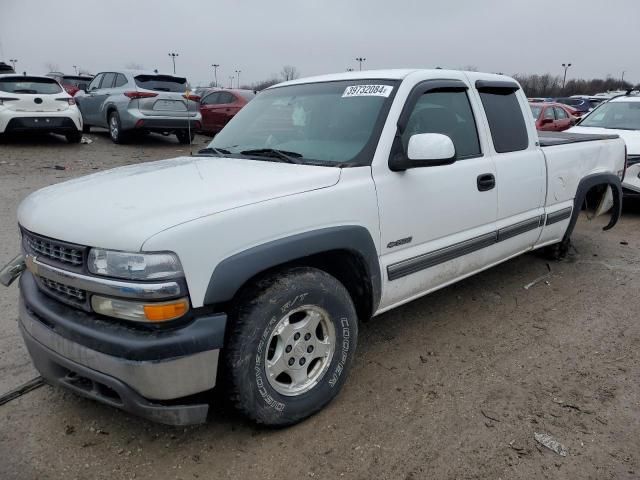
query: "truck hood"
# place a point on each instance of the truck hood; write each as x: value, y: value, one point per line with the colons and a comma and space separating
x: 123, y: 207
x: 630, y: 137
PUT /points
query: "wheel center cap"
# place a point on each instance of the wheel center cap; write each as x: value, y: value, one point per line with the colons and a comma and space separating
x: 299, y: 349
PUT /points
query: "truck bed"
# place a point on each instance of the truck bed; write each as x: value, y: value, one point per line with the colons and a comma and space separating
x: 549, y: 139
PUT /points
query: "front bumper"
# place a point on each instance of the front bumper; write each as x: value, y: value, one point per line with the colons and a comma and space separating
x: 135, y: 370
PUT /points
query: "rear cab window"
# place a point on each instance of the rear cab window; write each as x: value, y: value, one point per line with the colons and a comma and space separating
x: 161, y: 83
x: 504, y: 114
x: 30, y: 85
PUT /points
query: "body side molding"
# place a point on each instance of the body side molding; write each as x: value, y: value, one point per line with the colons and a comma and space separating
x: 231, y: 273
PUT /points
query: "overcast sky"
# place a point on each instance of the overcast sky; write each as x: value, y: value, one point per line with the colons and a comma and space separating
x: 258, y: 37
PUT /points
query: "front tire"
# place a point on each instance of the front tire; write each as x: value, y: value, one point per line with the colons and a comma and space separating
x: 291, y: 344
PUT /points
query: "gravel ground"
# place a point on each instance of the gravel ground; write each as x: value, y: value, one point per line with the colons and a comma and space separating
x: 453, y: 385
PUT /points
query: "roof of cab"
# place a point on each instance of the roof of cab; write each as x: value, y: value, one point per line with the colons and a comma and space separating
x: 391, y: 74
x: 626, y: 98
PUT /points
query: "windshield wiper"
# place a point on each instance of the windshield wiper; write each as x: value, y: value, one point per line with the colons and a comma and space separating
x: 282, y: 155
x: 216, y: 151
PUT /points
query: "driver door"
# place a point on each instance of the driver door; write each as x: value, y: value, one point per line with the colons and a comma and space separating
x: 436, y: 221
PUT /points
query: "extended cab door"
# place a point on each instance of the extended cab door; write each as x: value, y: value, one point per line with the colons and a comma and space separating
x: 436, y: 221
x: 520, y: 165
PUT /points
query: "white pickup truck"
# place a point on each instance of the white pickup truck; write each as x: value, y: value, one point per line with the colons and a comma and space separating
x: 325, y: 201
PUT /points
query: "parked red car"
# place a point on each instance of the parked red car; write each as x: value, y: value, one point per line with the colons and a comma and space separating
x: 219, y: 106
x: 553, y: 117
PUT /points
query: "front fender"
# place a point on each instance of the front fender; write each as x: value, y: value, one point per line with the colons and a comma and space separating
x: 231, y: 273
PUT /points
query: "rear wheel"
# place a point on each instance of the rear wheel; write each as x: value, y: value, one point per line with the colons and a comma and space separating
x: 292, y: 341
x: 185, y: 137
x: 74, y: 137
x: 557, y: 251
x: 115, y: 128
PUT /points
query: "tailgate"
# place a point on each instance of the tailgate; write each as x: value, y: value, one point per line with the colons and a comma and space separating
x: 169, y: 100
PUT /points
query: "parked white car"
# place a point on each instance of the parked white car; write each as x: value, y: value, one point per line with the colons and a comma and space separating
x: 323, y: 202
x: 38, y: 104
x: 620, y: 116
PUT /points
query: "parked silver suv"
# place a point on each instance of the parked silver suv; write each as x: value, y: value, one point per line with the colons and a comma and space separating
x: 129, y: 101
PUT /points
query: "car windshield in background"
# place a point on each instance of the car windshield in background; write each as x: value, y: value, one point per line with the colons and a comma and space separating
x: 536, y: 111
x: 33, y: 85
x: 162, y: 83
x: 322, y: 123
x: 615, y: 115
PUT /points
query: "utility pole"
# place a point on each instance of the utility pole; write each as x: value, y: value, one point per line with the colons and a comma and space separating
x: 215, y: 73
x: 75, y: 67
x: 13, y: 62
x: 173, y: 56
x: 564, y: 80
x: 360, y: 60
x: 238, y: 72
x: 231, y: 81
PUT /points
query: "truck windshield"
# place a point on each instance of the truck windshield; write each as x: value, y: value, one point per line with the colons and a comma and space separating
x: 329, y: 123
x: 615, y: 115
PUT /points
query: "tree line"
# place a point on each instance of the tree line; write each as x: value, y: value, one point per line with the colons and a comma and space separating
x: 548, y: 85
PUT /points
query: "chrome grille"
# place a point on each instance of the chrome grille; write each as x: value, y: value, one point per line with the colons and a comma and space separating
x: 54, y: 250
x: 57, y: 288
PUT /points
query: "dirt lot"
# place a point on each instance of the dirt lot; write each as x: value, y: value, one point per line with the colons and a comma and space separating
x: 450, y: 386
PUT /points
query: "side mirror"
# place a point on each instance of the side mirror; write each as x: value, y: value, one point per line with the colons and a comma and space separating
x: 425, y: 150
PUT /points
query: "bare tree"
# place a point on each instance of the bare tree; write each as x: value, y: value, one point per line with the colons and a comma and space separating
x: 289, y: 72
x: 52, y: 67
x: 134, y: 66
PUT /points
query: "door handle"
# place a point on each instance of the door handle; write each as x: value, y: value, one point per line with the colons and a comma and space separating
x: 486, y: 182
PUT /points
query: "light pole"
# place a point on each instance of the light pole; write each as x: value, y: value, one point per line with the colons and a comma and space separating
x: 215, y: 73
x: 564, y: 79
x: 238, y: 72
x: 173, y: 56
x: 75, y: 67
x: 13, y: 62
x: 622, y: 80
x: 360, y: 60
x: 231, y: 81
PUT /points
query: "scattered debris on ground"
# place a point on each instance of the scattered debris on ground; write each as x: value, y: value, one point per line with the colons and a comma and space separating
x: 551, y: 443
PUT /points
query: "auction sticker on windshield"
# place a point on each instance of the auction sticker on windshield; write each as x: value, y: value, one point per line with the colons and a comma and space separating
x: 367, y: 91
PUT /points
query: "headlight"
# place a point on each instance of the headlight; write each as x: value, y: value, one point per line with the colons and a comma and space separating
x: 134, y: 266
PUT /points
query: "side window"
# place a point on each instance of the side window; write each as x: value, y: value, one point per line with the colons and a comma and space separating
x: 506, y: 122
x: 561, y: 114
x: 211, y: 99
x: 548, y: 113
x: 448, y: 113
x: 121, y: 81
x: 107, y: 81
x: 226, y: 97
x: 95, y: 83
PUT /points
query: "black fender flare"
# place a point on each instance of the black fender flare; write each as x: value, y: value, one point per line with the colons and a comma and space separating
x: 584, y: 186
x: 233, y: 272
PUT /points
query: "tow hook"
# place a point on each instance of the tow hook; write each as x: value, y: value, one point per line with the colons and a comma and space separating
x: 12, y: 270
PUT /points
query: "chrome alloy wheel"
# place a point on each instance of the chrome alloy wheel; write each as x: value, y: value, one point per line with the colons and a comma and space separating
x: 113, y: 126
x: 300, y: 350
